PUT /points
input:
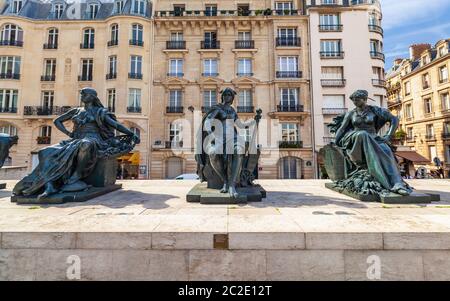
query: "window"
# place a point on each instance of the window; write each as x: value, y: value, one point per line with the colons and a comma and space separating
x: 176, y: 36
x: 244, y: 35
x: 52, y: 39
x: 176, y: 67
x: 47, y: 99
x: 58, y: 10
x: 46, y: 131
x: 137, y: 35
x: 445, y: 101
x: 284, y: 7
x: 245, y: 67
x: 430, y: 130
x: 290, y: 168
x: 11, y: 35
x: 409, y: 133
x: 16, y: 6
x: 287, y: 37
x: 178, y: 9
x: 428, y: 105
x: 409, y: 111
x: 443, y: 74
x: 331, y: 73
x: 134, y: 98
x: 9, y: 66
x: 92, y: 10
x: 115, y: 33
x: 112, y: 66
x: 333, y: 101
x: 118, y: 6
x: 375, y: 47
x: 288, y: 63
x: 210, y: 10
x: 288, y: 97
x: 432, y: 152
x: 175, y: 133
x: 426, y: 81
x: 175, y: 98
x: 289, y: 132
x: 209, y: 98
x: 373, y: 19
x: 330, y: 48
x: 111, y: 100
x: 210, y: 40
x: 210, y: 67
x: 8, y: 100
x: 407, y: 88
x: 329, y: 22
x: 243, y: 9
x: 87, y: 66
x: 442, y: 51
x: 88, y: 38
x: 8, y: 129
x: 139, y: 7
x: 136, y: 65
x: 136, y: 131
x: 50, y: 68
x: 245, y: 98
x: 447, y: 128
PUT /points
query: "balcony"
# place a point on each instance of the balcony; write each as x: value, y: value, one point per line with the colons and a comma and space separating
x: 332, y: 54
x: 330, y: 2
x: 9, y: 75
x: 113, y: 43
x: 290, y: 144
x: 242, y: 74
x: 87, y: 46
x: 173, y: 144
x: 8, y: 110
x: 210, y: 74
x: 227, y: 13
x: 332, y: 27
x: 445, y: 135
x: 132, y: 75
x: 175, y: 74
x: 85, y: 78
x: 379, y: 82
x: 174, y: 110
x: 394, y: 102
x: 210, y: 44
x: 328, y: 140
x: 111, y: 76
x: 45, y: 110
x: 134, y: 109
x: 377, y: 55
x: 176, y: 45
x: 244, y: 44
x: 245, y: 109
x: 43, y: 140
x: 50, y: 46
x: 11, y: 43
x: 376, y: 28
x: 48, y: 78
x: 290, y: 108
x: 334, y: 111
x: 289, y: 74
x: 134, y: 42
x: 430, y: 137
x: 288, y: 42
x: 333, y: 82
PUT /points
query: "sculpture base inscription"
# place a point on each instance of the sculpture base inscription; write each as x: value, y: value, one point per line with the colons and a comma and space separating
x: 204, y: 195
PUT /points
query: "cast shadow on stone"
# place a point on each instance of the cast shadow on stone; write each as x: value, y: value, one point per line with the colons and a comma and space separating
x: 5, y: 193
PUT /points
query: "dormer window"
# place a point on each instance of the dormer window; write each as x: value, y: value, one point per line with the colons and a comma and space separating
x: 17, y: 6
x: 118, y: 6
x: 58, y: 10
x: 138, y: 7
x: 93, y: 10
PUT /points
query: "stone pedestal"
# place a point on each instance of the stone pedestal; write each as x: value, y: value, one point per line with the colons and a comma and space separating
x: 204, y: 195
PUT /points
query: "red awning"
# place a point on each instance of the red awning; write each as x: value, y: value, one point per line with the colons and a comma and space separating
x: 412, y: 156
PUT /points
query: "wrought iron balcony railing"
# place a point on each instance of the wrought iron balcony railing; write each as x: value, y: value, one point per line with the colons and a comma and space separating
x: 176, y: 45
x: 175, y: 74
x: 44, y: 140
x: 333, y: 82
x: 227, y: 13
x: 331, y: 27
x: 289, y: 74
x: 445, y: 135
x: 173, y: 144
x: 288, y: 42
x: 136, y: 42
x: 85, y: 78
x: 378, y: 82
x: 430, y: 137
x: 332, y: 54
x: 8, y: 109
x: 50, y: 46
x: 45, y: 110
x: 87, y: 46
x: 290, y: 144
x: 111, y: 76
x: 376, y: 28
x: 210, y: 44
x: 174, y: 109
x: 11, y: 43
x: 244, y: 44
x: 240, y: 74
x: 290, y: 108
x: 9, y: 75
x: 134, y: 109
x: 377, y: 55
x: 48, y: 78
x: 113, y: 43
x: 132, y: 75
x: 210, y: 74
x: 245, y: 109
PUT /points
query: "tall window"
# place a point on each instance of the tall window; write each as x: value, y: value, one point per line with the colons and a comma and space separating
x: 443, y: 74
x: 52, y: 38
x: 92, y: 10
x: 209, y: 98
x: 428, y: 105
x: 176, y: 67
x: 139, y: 7
x: 210, y: 39
x: 115, y: 33
x: 8, y: 100
x: 445, y: 101
x: 175, y: 136
x: 287, y: 37
x: 210, y: 67
x: 8, y: 129
x: 137, y: 34
x: 245, y: 98
x: 210, y: 10
x: 58, y: 10
x: 289, y: 132
x: 329, y: 21
x: 9, y: 66
x: 111, y: 99
x: 407, y: 86
x: 175, y: 98
x: 87, y: 66
x: 244, y: 35
x: 288, y: 63
x: 134, y: 98
x: 332, y: 73
x: 245, y: 67
x: 430, y: 130
x: 136, y: 66
x: 16, y: 6
x: 112, y: 66
x: 333, y: 102
x: 47, y: 99
x: 45, y: 131
x: 290, y: 168
x: 426, y: 81
x: 50, y: 68
x: 176, y: 36
x: 330, y: 48
x: 409, y: 133
x: 11, y: 35
x: 283, y: 7
x: 288, y: 97
x: 118, y: 6
x: 409, y: 111
x: 88, y: 38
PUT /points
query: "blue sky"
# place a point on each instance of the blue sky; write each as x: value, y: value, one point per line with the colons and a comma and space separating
x: 406, y: 22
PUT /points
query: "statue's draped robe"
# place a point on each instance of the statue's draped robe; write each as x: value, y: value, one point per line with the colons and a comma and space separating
x: 363, y: 149
x: 57, y: 162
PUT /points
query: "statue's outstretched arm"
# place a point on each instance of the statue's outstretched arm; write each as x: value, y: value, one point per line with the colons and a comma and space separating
x: 120, y: 127
x: 64, y: 117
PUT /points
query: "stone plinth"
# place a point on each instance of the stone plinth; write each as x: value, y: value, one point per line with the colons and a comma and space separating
x: 301, y: 231
x: 204, y: 195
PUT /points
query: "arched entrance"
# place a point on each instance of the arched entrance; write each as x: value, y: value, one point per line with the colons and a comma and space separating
x: 290, y: 168
x: 174, y: 167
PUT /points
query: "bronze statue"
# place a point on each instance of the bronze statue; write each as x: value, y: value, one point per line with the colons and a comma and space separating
x: 226, y: 161
x: 64, y: 167
x: 370, y: 167
x: 6, y: 142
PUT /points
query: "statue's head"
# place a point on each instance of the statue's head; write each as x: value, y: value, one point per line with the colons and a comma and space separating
x: 228, y: 95
x: 359, y: 98
x: 89, y: 96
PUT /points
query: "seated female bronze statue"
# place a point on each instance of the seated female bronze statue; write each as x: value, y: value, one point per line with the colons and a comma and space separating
x: 369, y: 156
x: 62, y: 167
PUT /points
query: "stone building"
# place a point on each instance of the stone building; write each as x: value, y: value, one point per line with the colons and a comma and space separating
x: 418, y: 93
x: 159, y: 65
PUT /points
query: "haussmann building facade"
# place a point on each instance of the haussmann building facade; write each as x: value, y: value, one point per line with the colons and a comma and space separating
x: 160, y: 65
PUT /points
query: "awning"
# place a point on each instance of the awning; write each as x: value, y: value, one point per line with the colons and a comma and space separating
x: 412, y: 156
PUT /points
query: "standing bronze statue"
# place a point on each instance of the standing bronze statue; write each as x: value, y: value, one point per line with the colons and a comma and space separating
x: 226, y: 161
x: 6, y: 142
x: 361, y: 162
x: 66, y: 166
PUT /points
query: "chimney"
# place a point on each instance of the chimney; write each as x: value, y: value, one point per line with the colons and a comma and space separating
x: 398, y: 61
x: 416, y: 50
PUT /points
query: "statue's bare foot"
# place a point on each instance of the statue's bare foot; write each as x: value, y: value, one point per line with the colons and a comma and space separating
x: 401, y: 189
x: 224, y: 189
x: 49, y: 189
x: 233, y: 193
